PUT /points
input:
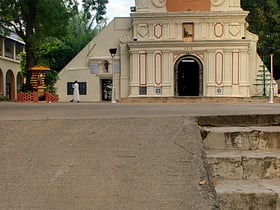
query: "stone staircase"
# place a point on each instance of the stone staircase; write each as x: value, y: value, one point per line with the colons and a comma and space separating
x: 244, y: 161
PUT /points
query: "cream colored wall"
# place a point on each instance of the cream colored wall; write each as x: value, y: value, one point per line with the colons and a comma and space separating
x: 223, y: 33
x: 96, y: 52
x: 225, y: 5
x: 6, y: 65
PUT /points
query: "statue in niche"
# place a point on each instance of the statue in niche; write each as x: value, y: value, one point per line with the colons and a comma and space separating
x: 39, y: 78
x: 188, y: 31
x: 106, y: 66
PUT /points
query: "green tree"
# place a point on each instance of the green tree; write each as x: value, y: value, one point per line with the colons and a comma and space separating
x: 264, y: 20
x: 86, y: 23
x: 81, y: 31
x: 44, y: 24
x: 56, y: 53
x: 99, y: 8
x: 32, y: 20
x: 50, y: 80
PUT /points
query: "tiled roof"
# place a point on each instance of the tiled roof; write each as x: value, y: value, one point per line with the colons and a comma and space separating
x: 14, y: 37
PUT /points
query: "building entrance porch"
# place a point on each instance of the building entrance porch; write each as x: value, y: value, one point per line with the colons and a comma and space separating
x: 188, y: 76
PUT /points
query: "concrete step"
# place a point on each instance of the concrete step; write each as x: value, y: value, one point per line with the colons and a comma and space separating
x: 239, y: 120
x: 242, y: 138
x: 243, y: 153
x: 249, y: 194
x: 237, y: 164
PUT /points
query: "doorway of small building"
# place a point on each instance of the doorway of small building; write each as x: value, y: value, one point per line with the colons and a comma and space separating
x: 10, y: 85
x: 1, y: 83
x: 106, y: 86
x: 20, y: 82
x: 188, y: 76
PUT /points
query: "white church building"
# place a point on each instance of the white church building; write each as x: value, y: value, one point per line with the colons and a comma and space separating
x: 169, y: 48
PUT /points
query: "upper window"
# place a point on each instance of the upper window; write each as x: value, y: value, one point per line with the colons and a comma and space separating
x: 19, y: 49
x: 9, y: 49
x: 188, y: 31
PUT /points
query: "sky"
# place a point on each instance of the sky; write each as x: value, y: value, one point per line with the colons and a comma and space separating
x: 119, y: 8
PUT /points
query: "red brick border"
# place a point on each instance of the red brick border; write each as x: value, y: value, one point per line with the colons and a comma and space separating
x: 51, y: 97
x: 27, y: 97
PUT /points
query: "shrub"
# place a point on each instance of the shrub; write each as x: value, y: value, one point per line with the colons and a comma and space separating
x: 3, y: 98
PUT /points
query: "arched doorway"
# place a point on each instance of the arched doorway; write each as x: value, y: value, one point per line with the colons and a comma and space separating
x: 10, y: 85
x: 20, y: 82
x: 188, y: 76
x: 1, y: 83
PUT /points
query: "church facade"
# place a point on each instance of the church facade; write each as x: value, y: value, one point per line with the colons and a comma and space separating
x: 169, y: 48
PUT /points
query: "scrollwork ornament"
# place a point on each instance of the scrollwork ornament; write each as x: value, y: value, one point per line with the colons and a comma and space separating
x: 217, y: 3
x: 125, y: 38
x: 159, y: 3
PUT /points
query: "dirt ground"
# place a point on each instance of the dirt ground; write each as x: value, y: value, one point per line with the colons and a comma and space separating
x: 103, y: 164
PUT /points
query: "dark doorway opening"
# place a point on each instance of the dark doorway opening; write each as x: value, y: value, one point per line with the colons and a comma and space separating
x: 10, y: 85
x: 189, y: 77
x: 106, y: 89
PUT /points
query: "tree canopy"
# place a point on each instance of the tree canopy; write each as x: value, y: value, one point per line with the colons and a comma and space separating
x: 46, y: 27
x: 33, y: 20
x: 264, y: 20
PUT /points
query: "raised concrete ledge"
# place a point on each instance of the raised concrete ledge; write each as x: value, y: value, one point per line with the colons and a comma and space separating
x: 242, y: 138
x: 248, y: 186
x: 249, y: 194
x: 243, y: 129
x: 226, y: 154
x: 244, y: 165
x: 194, y: 99
x: 240, y: 120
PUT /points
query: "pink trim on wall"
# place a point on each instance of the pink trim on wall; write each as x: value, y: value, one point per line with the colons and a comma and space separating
x: 158, y: 68
x: 142, y: 69
x: 219, y: 68
x: 235, y: 68
x: 215, y: 30
x: 158, y: 36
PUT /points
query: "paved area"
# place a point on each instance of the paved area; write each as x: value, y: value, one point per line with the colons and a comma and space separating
x: 31, y: 111
x: 107, y: 156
